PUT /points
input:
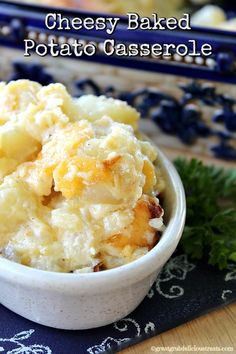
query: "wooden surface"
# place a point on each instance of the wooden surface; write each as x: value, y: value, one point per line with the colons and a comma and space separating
x: 216, y: 329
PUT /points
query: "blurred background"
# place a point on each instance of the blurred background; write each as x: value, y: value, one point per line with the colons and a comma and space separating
x: 207, y: 13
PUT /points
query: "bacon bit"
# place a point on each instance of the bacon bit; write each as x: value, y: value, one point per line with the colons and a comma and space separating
x: 110, y: 162
x: 156, y: 210
x: 100, y: 266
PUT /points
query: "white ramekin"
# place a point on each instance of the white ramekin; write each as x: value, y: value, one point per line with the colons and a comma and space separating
x: 82, y: 301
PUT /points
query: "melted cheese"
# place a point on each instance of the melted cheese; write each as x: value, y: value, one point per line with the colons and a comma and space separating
x: 136, y: 234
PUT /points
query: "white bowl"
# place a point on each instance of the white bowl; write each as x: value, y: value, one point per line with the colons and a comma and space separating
x: 82, y: 301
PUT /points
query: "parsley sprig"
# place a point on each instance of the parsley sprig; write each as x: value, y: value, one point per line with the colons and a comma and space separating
x: 211, y: 211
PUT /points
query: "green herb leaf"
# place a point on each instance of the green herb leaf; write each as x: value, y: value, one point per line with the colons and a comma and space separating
x: 211, y: 211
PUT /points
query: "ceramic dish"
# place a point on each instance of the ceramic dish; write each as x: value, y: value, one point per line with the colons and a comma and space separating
x: 82, y: 301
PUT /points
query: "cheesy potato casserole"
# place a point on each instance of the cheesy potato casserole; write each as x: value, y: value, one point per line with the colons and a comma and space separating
x: 77, y: 187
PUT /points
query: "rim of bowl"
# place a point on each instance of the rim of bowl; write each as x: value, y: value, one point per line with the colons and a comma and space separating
x: 126, y: 274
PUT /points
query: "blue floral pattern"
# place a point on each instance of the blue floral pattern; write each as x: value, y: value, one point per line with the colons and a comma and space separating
x: 22, y: 348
